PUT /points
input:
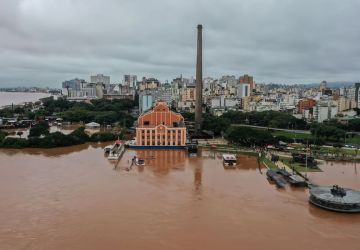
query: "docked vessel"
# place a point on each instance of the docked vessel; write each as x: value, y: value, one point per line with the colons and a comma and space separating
x: 139, y: 161
x: 277, y: 178
x: 116, y: 151
x: 192, y: 148
x: 130, y: 143
x: 297, y: 181
x: 229, y: 160
x: 293, y: 179
x: 107, y: 149
x: 335, y: 198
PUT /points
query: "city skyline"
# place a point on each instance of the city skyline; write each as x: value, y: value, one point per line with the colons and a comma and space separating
x: 275, y: 41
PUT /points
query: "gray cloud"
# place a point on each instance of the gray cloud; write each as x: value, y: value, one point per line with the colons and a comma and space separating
x: 48, y: 41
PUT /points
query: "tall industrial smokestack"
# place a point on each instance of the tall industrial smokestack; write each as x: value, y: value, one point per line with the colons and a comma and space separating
x: 199, y: 87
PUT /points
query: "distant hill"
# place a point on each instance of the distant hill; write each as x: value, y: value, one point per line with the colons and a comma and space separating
x: 333, y: 85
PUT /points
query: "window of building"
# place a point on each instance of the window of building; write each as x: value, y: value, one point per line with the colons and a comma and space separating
x: 146, y: 123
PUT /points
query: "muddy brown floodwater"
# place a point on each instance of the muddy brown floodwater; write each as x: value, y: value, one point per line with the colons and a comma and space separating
x: 74, y: 198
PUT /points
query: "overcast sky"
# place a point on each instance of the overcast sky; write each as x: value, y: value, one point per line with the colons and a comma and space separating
x: 44, y: 42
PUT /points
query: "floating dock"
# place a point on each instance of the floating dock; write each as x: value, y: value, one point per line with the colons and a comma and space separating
x: 277, y: 178
x: 117, y: 151
x: 293, y: 179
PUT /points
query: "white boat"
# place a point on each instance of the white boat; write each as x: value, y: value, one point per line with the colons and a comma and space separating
x: 130, y: 143
x: 107, y: 149
x: 116, y: 151
x: 139, y: 161
x: 229, y: 160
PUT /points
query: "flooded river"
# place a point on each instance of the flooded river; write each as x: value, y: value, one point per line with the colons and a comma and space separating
x: 8, y: 98
x: 74, y: 198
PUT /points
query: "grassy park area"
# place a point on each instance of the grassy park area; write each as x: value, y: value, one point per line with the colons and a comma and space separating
x: 350, y: 139
x: 291, y: 135
x: 298, y: 166
x: 269, y: 163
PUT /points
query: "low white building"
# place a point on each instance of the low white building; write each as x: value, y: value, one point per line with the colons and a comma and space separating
x: 324, y: 112
x: 187, y: 106
x: 92, y: 125
x: 224, y: 102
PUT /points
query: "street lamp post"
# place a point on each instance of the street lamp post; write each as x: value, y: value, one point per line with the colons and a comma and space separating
x: 306, y: 159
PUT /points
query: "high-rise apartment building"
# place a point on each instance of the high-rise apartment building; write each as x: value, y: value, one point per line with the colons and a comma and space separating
x: 130, y: 80
x: 243, y: 90
x: 323, y: 86
x: 248, y: 80
x: 100, y: 78
x: 305, y: 104
x: 357, y: 94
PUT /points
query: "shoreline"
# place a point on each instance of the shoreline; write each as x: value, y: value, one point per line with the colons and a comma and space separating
x: 242, y: 151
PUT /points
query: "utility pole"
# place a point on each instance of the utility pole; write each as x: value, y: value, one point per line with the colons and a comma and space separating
x: 306, y: 158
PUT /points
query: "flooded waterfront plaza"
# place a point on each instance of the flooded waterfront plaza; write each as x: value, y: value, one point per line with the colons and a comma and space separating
x: 74, y: 198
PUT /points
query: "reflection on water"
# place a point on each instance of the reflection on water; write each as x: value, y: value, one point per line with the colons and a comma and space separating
x: 72, y: 198
x: 197, y: 178
x: 162, y: 161
x: 52, y: 152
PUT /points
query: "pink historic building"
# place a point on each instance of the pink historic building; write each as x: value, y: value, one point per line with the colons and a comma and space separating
x: 161, y: 127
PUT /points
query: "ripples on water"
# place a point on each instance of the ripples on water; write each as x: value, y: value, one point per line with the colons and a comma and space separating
x: 74, y: 198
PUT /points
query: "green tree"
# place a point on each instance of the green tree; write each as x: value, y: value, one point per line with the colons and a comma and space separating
x: 3, y: 134
x: 77, y: 115
x: 354, y: 125
x: 106, y: 117
x: 19, y: 133
x: 215, y: 124
x: 328, y: 132
x: 39, y: 129
x: 11, y: 142
x: 105, y: 136
x: 78, y: 136
x: 249, y: 137
x: 188, y: 116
